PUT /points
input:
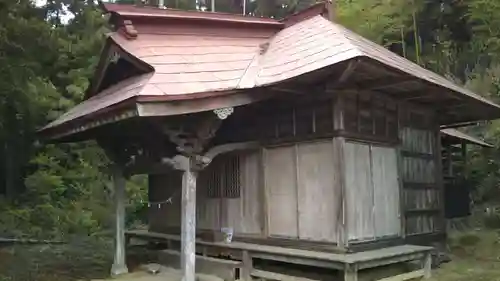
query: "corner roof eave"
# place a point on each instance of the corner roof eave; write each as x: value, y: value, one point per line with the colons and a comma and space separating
x: 460, y: 136
x: 148, y: 106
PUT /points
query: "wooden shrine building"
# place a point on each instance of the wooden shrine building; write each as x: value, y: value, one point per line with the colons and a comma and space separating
x: 315, y: 145
x: 457, y: 187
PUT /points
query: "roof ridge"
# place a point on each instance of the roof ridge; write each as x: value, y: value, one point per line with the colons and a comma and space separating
x: 133, y: 11
x: 317, y: 9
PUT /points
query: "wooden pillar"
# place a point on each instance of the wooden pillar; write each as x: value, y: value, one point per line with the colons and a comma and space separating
x: 331, y: 8
x: 438, y: 173
x: 188, y: 221
x: 119, y: 264
x: 449, y: 160
x: 464, y: 159
x: 427, y: 265
x: 339, y: 169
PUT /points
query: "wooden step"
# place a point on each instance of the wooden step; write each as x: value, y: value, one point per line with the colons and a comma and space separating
x: 417, y: 274
x: 267, y: 275
x: 225, y: 269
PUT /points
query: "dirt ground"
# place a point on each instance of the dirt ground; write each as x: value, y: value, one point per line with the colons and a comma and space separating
x: 475, y: 257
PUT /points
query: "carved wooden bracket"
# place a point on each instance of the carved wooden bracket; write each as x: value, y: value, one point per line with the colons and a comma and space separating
x: 185, y: 163
x: 192, y: 142
x: 199, y: 162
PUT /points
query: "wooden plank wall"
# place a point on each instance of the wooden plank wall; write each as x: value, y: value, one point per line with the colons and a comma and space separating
x: 371, y: 166
x: 317, y: 193
x: 359, y: 192
x: 281, y: 190
x: 302, y: 197
x: 420, y: 156
x: 389, y: 174
x: 242, y: 213
x: 372, y: 191
x: 386, y: 191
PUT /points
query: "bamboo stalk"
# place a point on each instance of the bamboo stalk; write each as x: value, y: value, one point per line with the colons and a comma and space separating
x: 415, y: 33
x: 403, y: 43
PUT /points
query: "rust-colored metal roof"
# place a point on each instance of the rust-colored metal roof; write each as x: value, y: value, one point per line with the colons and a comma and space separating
x: 187, y: 61
x: 191, y: 60
x: 317, y: 43
x: 459, y: 136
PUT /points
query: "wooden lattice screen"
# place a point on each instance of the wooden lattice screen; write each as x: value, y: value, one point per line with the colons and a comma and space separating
x: 370, y: 116
x: 221, y: 179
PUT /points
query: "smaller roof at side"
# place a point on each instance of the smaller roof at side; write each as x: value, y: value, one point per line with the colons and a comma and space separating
x: 456, y: 134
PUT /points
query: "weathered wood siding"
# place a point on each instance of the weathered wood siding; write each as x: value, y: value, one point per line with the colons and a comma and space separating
x: 244, y: 213
x: 317, y: 193
x: 386, y: 191
x: 302, y: 198
x: 410, y: 129
x: 359, y: 192
x: 358, y: 168
x: 214, y: 210
x: 420, y: 158
x: 372, y: 191
x: 281, y: 189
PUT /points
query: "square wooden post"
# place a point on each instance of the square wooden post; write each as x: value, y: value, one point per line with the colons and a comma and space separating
x: 427, y: 265
x: 188, y: 221
x: 246, y: 274
x: 119, y: 264
x: 351, y: 272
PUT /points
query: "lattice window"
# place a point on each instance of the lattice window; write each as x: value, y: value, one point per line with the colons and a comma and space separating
x: 231, y: 185
x: 221, y: 179
x: 351, y: 114
x: 323, y: 117
x: 365, y: 118
x: 285, y: 123
x: 304, y: 120
x: 369, y: 115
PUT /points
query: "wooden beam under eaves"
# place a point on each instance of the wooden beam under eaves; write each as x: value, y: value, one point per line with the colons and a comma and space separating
x: 428, y: 94
x: 374, y: 84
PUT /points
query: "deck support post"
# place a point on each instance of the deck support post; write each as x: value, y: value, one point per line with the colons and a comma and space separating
x: 247, y: 266
x: 351, y: 272
x: 119, y: 264
x: 188, y: 219
x: 427, y: 265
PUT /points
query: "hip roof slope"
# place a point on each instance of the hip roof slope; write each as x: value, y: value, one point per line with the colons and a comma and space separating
x: 190, y: 60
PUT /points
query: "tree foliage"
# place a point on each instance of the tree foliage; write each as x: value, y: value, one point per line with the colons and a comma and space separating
x: 45, y: 68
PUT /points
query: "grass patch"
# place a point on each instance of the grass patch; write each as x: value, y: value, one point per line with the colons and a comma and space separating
x: 475, y: 257
x: 81, y: 259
